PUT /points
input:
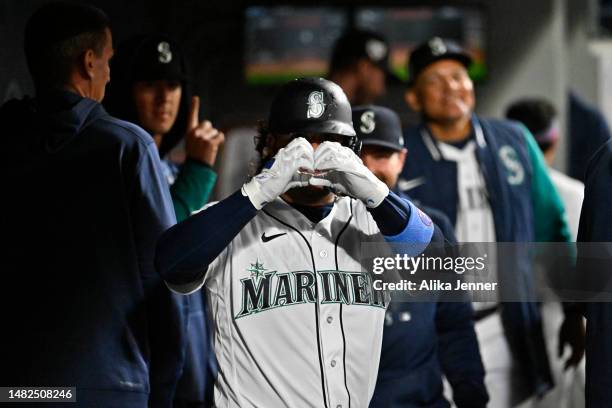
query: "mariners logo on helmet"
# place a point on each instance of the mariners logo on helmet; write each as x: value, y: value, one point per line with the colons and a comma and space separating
x: 367, y: 122
x: 316, y: 107
x: 165, y: 55
x: 311, y: 105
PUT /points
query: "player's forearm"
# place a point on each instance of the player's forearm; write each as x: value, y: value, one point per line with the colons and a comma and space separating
x: 185, y: 250
x: 400, y: 221
x: 391, y: 215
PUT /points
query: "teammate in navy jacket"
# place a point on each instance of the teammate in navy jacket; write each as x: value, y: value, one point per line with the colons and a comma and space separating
x: 421, y: 340
x: 489, y: 178
x: 84, y: 202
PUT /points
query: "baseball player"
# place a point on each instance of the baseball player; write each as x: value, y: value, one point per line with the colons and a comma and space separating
x: 421, y: 339
x: 151, y: 88
x: 489, y: 177
x: 359, y: 63
x: 296, y: 320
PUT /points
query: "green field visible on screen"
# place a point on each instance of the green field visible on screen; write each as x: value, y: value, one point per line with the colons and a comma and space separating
x: 477, y: 71
x: 281, y: 78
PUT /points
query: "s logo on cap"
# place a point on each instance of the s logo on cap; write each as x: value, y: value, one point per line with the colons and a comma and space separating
x: 165, y: 55
x: 316, y: 107
x: 367, y: 122
x: 437, y: 46
x: 376, y: 50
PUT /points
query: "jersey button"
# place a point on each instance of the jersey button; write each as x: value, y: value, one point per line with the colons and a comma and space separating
x: 323, y: 254
x: 330, y: 319
x: 338, y: 406
x: 333, y: 363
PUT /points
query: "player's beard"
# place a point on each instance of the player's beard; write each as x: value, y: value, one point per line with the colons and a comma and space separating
x: 389, y: 181
x: 310, y: 195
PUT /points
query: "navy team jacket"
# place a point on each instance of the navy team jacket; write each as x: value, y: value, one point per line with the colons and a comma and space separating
x: 424, y: 340
x: 596, y: 226
x: 84, y: 202
x: 506, y: 154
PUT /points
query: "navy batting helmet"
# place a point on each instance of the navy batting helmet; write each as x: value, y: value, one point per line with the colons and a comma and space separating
x: 312, y: 105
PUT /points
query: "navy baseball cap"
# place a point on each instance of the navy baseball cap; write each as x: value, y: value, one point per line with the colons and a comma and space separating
x: 356, y: 44
x: 156, y: 57
x: 433, y: 50
x: 378, y: 126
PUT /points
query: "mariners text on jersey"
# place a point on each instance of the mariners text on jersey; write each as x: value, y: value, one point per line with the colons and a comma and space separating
x: 265, y: 290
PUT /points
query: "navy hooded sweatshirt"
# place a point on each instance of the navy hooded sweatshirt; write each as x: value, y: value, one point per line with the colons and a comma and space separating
x: 84, y: 202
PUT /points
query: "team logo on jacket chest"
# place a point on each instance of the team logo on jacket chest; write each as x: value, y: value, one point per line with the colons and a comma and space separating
x: 515, y: 171
x: 264, y: 289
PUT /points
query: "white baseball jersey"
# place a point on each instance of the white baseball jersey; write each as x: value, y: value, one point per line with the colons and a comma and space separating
x: 296, y: 322
x: 474, y: 214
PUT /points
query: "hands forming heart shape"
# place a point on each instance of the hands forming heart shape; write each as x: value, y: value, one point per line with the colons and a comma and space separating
x: 327, y: 157
x: 332, y: 165
x: 338, y: 168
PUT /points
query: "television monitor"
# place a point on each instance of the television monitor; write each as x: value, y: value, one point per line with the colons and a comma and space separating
x: 406, y: 27
x: 285, y: 42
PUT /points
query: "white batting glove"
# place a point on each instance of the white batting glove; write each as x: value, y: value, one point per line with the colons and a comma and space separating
x: 344, y: 173
x: 283, y: 175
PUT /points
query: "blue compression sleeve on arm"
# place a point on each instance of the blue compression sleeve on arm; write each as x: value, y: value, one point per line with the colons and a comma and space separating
x: 391, y: 215
x: 400, y: 221
x: 185, y: 250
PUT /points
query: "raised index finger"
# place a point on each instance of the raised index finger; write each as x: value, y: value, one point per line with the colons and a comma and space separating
x: 194, y: 114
